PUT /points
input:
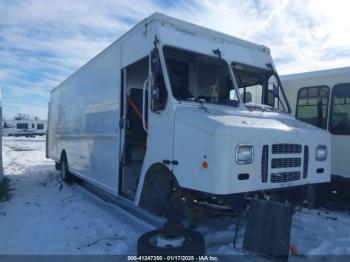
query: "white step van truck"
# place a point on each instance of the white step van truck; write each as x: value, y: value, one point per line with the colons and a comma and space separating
x: 322, y: 99
x: 167, y: 106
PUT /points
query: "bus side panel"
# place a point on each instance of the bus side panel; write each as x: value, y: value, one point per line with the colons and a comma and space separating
x: 340, y: 143
x: 84, y: 120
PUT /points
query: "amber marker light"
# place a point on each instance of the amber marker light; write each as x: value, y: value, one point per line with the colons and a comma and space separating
x: 205, y: 164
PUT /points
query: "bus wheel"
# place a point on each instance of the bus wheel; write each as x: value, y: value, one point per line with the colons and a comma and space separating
x: 64, y: 171
x: 161, y: 242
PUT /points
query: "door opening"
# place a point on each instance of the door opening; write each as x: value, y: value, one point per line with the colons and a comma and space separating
x: 135, y: 140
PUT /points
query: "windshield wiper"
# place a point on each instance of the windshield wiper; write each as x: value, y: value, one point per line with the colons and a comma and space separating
x: 261, y: 107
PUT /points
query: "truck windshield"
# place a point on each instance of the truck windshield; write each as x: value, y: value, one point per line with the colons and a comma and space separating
x: 258, y: 86
x: 198, y: 77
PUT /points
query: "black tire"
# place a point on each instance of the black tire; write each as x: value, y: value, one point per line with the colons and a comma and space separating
x: 57, y: 166
x: 194, y: 245
x: 322, y: 194
x: 64, y: 170
x: 156, y: 191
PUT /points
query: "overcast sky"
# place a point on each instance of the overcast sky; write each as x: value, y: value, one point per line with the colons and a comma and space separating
x: 42, y: 42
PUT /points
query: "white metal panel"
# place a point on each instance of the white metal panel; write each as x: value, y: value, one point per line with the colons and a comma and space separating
x: 160, y: 139
x: 196, y: 29
x: 135, y: 46
x: 205, y: 45
x: 340, y: 155
x: 213, y: 135
x: 84, y: 117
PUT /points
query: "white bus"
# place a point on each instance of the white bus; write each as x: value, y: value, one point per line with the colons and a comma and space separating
x: 322, y: 99
x: 158, y: 113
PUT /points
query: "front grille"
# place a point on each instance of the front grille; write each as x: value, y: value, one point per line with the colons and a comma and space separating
x: 264, y: 163
x: 289, y: 167
x: 285, y: 162
x: 285, y: 177
x: 286, y: 149
x: 306, y: 161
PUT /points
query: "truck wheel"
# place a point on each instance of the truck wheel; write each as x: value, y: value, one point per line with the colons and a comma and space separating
x: 160, y: 243
x: 323, y: 193
x: 64, y: 171
x: 156, y: 190
x: 57, y: 166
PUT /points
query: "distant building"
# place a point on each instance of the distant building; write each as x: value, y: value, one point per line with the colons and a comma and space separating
x: 23, y: 125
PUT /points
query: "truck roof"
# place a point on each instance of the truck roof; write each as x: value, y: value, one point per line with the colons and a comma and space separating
x: 201, y: 30
x: 318, y: 73
x: 179, y: 24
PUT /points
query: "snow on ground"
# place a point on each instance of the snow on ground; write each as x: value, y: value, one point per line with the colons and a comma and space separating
x: 321, y: 232
x: 314, y: 232
x: 45, y: 216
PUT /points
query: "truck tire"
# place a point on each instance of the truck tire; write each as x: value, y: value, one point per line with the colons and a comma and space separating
x: 323, y: 194
x: 192, y: 244
x: 156, y: 190
x: 64, y: 171
x: 57, y: 166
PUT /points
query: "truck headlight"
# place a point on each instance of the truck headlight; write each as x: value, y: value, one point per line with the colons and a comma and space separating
x: 321, y: 153
x: 244, y: 154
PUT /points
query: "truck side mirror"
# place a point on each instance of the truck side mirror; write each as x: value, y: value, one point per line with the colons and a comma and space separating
x: 155, y: 62
x: 157, y: 82
x: 155, y: 94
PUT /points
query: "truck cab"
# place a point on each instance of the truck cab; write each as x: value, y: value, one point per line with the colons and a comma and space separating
x: 220, y: 122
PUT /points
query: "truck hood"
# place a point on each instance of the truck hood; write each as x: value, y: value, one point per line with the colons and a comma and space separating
x: 220, y: 122
x: 214, y: 134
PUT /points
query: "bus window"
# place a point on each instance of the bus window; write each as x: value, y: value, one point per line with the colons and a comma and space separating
x: 340, y: 110
x: 312, y: 105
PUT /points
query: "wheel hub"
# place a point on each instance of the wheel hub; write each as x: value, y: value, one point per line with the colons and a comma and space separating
x: 168, y: 241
